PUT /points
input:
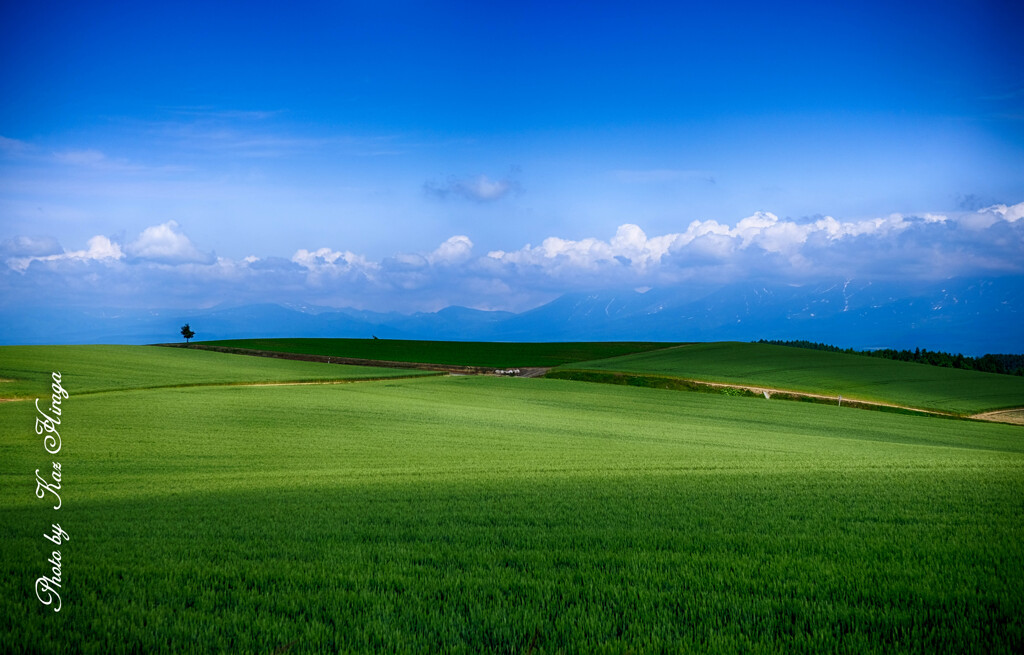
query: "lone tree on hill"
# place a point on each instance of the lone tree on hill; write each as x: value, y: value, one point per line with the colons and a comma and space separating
x: 187, y: 332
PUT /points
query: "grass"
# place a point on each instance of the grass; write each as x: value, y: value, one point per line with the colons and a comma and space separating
x: 478, y: 514
x: 461, y: 353
x: 812, y: 371
x: 91, y: 369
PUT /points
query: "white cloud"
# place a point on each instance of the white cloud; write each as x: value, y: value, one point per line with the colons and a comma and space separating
x: 325, y: 260
x: 1010, y: 214
x: 479, y: 189
x: 989, y: 216
x: 485, y: 189
x: 167, y: 244
x: 312, y: 259
x: 455, y: 250
x: 99, y: 248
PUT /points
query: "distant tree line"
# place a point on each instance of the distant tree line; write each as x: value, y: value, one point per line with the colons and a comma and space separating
x: 1004, y: 364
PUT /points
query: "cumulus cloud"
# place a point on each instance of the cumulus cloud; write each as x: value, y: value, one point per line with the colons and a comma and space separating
x: 630, y: 244
x: 455, y: 250
x: 167, y: 244
x: 478, y: 189
x: 325, y: 268
x: 1009, y: 214
x: 325, y: 259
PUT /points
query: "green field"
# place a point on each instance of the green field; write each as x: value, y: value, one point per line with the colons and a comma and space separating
x: 461, y: 353
x: 828, y: 373
x: 482, y: 514
x: 91, y: 369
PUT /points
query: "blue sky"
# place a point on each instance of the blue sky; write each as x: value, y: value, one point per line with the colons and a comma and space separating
x: 413, y: 155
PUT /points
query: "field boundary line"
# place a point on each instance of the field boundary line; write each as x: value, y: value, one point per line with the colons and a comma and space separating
x: 689, y: 384
x: 330, y: 359
x: 265, y: 383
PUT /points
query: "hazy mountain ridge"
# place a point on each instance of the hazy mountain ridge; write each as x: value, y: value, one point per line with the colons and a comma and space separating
x: 972, y: 316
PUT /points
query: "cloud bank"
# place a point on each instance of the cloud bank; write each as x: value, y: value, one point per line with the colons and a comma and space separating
x: 163, y: 267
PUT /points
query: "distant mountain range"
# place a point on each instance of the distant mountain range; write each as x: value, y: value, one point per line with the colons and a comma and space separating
x: 971, y: 316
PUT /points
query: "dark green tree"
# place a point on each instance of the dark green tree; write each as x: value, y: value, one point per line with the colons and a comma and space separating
x: 187, y: 332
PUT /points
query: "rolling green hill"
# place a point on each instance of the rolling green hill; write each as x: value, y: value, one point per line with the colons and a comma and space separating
x: 88, y: 369
x: 828, y: 373
x: 484, y: 514
x: 461, y: 353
